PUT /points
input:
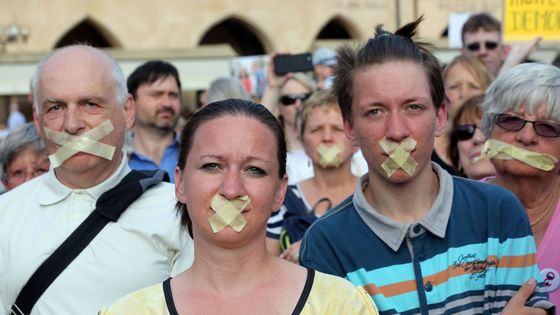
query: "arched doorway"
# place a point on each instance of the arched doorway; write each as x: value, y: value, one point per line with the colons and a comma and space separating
x: 86, y: 32
x: 336, y: 28
x: 238, y: 34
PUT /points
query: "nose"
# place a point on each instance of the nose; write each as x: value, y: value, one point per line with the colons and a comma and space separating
x: 232, y: 185
x: 478, y: 136
x: 327, y: 135
x: 397, y: 129
x: 73, y: 121
x: 527, y: 135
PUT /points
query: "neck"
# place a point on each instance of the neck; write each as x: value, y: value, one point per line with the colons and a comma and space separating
x: 219, y: 269
x: 405, y: 203
x: 440, y: 146
x: 152, y: 143
x: 533, y: 192
x: 333, y: 179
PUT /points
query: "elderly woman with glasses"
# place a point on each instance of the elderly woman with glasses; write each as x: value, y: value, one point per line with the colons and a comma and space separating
x: 522, y: 122
x: 466, y: 140
x: 23, y: 156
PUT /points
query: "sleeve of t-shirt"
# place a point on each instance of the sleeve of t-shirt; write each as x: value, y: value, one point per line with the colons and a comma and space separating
x: 315, y: 252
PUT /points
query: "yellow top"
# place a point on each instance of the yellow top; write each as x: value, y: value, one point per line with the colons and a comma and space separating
x: 329, y: 295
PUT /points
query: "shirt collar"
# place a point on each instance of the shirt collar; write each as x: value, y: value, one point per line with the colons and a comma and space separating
x: 392, y: 232
x: 54, y: 191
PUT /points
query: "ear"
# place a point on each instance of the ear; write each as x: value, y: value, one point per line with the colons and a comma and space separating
x: 280, y: 193
x: 130, y: 111
x: 441, y: 120
x: 505, y: 51
x: 349, y: 132
x: 179, y: 186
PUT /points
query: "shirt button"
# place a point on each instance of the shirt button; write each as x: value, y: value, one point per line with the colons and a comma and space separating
x: 428, y: 287
x: 416, y: 229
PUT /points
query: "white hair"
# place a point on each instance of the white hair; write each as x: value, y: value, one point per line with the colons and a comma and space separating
x: 527, y: 85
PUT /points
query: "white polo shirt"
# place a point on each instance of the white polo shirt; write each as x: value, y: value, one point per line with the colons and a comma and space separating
x: 145, y: 246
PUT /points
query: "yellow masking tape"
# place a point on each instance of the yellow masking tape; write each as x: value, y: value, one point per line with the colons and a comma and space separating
x: 496, y: 149
x: 228, y: 212
x: 330, y: 156
x: 87, y: 142
x: 399, y: 156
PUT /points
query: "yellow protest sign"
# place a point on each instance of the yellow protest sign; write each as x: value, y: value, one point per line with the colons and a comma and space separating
x: 526, y: 19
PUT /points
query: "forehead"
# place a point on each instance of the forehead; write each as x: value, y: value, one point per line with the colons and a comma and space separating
x: 482, y: 35
x: 164, y: 82
x: 293, y: 86
x: 393, y: 81
x: 460, y: 71
x: 76, y: 74
x: 323, y: 111
x: 234, y: 132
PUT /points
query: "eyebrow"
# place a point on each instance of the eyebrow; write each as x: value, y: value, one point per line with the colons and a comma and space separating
x: 248, y: 159
x: 97, y: 99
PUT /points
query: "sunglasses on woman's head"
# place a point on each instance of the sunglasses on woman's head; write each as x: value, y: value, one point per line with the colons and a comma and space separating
x: 464, y: 132
x: 290, y: 99
x: 476, y: 46
x: 543, y: 128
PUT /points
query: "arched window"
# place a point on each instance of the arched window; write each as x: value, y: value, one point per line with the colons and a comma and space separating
x: 241, y: 36
x: 86, y: 32
x: 336, y: 28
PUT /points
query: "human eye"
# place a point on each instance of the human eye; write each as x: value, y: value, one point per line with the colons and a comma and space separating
x: 210, y: 167
x: 53, y: 107
x: 415, y: 107
x: 374, y: 112
x: 17, y: 173
x: 256, y: 171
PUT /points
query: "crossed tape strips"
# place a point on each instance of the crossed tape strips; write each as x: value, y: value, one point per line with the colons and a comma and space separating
x: 87, y: 142
x: 399, y: 156
x: 329, y: 155
x: 228, y: 212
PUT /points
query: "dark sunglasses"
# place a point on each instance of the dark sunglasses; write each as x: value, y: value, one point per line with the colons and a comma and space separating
x: 476, y: 46
x: 290, y: 99
x: 543, y: 128
x: 464, y: 132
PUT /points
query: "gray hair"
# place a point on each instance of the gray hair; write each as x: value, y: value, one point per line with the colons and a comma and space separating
x: 226, y: 88
x: 116, y: 72
x: 527, y: 85
x: 22, y: 138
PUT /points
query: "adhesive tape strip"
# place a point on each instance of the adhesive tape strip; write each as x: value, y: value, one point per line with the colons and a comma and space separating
x: 87, y: 142
x: 496, y: 149
x: 399, y: 156
x: 330, y: 156
x: 228, y: 212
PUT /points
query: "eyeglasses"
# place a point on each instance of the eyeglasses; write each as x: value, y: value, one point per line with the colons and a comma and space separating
x: 290, y: 99
x: 476, y: 46
x: 464, y: 132
x: 543, y: 128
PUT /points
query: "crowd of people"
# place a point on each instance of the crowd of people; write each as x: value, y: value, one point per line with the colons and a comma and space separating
x: 388, y: 183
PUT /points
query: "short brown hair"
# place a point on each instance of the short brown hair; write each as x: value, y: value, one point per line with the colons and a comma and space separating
x: 322, y: 98
x: 385, y: 47
x: 478, y: 21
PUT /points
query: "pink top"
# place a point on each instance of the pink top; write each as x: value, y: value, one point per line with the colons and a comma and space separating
x: 548, y: 257
x: 548, y: 254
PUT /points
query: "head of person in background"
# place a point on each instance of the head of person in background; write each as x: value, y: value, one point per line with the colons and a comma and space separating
x: 466, y: 140
x: 482, y: 38
x: 226, y: 88
x: 464, y: 76
x: 23, y: 155
x: 156, y: 89
x: 321, y: 131
x: 324, y: 60
x: 293, y: 92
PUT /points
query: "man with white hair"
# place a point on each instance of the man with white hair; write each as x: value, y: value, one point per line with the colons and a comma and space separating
x: 82, y: 111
